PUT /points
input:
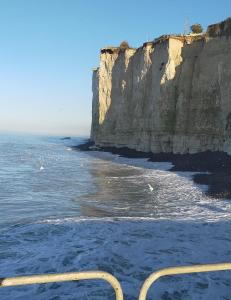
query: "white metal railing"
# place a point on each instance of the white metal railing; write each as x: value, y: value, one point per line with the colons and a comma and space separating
x: 180, y: 270
x: 61, y: 277
x: 46, y: 278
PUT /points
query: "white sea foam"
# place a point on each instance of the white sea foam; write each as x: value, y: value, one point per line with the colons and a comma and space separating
x: 128, y: 248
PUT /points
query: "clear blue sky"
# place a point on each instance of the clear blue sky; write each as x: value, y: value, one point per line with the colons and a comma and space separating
x: 48, y: 47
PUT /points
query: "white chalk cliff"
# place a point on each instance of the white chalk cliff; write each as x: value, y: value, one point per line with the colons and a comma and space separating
x: 170, y: 95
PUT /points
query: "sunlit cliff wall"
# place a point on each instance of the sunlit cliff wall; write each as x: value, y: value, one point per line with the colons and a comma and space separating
x: 170, y: 95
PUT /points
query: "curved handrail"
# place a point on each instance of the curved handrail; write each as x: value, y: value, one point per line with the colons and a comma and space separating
x: 47, y: 278
x: 180, y: 270
x: 61, y: 277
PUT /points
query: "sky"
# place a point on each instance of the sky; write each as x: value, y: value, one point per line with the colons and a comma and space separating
x: 48, y: 48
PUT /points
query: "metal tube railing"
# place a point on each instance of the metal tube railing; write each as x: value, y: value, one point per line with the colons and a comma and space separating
x: 48, y: 278
x: 180, y: 270
x: 61, y: 277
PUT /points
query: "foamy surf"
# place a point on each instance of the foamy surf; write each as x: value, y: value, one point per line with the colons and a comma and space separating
x: 115, y: 245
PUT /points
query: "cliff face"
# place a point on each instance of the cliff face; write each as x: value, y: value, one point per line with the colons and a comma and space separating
x: 171, y: 95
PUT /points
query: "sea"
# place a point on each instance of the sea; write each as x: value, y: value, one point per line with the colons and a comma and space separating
x: 64, y: 210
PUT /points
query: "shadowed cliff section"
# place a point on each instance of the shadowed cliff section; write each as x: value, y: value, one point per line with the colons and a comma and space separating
x: 125, y: 115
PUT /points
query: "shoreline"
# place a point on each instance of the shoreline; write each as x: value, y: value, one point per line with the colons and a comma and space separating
x: 214, y: 167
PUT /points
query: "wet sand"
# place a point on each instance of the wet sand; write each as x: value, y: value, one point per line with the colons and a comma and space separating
x: 214, y: 167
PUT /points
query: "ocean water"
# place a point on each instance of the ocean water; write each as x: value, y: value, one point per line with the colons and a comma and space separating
x: 63, y: 210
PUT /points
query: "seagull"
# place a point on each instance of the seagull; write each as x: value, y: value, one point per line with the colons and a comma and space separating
x: 41, y: 168
x: 150, y: 187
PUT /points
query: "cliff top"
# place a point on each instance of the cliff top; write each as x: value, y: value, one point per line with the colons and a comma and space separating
x: 215, y: 30
x: 189, y: 38
x: 186, y: 38
x: 112, y: 49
